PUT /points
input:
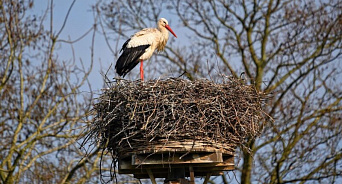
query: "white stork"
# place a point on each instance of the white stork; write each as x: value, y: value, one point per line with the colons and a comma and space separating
x: 141, y: 47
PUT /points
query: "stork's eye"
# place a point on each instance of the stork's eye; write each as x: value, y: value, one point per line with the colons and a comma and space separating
x: 164, y: 22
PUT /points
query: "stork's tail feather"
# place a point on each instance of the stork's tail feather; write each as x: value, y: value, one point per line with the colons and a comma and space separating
x: 129, y: 59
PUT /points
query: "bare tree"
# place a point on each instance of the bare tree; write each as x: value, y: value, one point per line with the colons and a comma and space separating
x: 291, y: 49
x: 43, y: 112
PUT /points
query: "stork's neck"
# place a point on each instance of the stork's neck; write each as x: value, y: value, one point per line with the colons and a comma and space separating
x: 163, y: 39
x: 164, y: 32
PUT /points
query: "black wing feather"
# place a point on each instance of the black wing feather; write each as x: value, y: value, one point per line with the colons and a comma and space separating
x: 129, y: 58
x: 124, y: 45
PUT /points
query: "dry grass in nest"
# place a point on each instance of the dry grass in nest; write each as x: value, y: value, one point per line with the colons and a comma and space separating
x: 133, y: 116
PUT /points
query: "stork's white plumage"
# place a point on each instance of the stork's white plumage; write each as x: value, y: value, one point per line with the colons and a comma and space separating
x: 141, y: 47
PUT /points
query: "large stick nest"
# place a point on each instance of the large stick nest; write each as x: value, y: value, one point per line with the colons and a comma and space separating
x: 133, y: 116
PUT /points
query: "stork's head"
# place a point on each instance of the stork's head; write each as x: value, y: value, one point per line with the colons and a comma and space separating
x: 163, y: 23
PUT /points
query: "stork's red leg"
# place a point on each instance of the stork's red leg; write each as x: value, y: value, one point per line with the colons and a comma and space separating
x: 141, y: 70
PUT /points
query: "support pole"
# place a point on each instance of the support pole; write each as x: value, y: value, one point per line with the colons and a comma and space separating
x: 150, y: 174
x: 207, y: 178
x: 192, y: 175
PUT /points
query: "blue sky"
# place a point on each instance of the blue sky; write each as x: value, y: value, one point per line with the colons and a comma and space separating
x: 80, y: 20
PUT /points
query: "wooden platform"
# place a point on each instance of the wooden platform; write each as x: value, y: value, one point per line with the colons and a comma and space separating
x: 160, y: 164
x: 175, y: 160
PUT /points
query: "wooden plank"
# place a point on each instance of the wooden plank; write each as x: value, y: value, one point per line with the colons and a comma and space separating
x: 165, y: 169
x: 164, y: 175
x: 183, y: 146
x: 227, y: 161
x: 155, y: 169
x: 177, y: 158
x: 179, y: 150
x: 214, y: 168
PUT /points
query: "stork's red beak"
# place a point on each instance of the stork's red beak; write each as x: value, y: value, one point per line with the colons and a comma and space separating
x: 168, y: 28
